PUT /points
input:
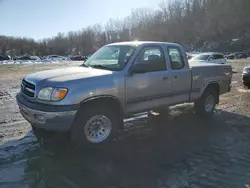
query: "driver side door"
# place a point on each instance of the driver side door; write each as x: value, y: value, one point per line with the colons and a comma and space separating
x: 151, y: 86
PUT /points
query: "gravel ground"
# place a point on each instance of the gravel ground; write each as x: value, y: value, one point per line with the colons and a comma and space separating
x: 179, y: 150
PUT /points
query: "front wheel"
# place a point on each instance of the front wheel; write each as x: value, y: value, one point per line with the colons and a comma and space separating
x: 206, y: 105
x: 95, y: 125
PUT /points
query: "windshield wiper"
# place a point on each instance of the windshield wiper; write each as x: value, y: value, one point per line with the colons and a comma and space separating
x: 99, y: 67
x: 83, y: 65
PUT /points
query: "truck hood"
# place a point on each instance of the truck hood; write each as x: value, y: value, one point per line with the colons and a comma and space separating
x: 66, y: 74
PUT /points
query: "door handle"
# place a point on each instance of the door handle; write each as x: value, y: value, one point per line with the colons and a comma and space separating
x: 164, y: 78
x: 176, y: 76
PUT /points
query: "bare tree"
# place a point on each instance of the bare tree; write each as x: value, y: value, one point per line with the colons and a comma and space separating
x: 194, y: 23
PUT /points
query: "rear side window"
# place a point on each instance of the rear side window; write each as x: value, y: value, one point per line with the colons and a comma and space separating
x: 218, y: 56
x: 176, y: 59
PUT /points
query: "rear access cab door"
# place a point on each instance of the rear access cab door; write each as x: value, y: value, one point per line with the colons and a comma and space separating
x: 179, y: 74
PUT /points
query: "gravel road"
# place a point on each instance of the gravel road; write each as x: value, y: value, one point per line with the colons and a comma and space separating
x: 179, y: 150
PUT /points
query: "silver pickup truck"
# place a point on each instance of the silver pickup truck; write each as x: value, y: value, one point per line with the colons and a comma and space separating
x: 91, y: 101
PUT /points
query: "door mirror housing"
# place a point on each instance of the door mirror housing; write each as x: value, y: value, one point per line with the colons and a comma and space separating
x: 140, y: 68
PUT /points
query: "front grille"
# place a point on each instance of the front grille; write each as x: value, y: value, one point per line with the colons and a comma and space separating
x: 28, y: 88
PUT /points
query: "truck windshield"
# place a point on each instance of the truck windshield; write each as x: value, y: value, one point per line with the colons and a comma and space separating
x: 112, y: 58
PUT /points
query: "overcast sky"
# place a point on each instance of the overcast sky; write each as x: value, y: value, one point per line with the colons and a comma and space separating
x: 44, y: 18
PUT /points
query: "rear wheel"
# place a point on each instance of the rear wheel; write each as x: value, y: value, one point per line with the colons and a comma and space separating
x: 246, y: 84
x: 95, y: 125
x: 206, y: 105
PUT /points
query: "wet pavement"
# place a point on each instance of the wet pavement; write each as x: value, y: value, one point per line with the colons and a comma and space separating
x: 169, y: 151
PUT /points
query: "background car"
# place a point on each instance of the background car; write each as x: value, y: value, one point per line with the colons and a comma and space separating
x: 230, y: 56
x: 56, y: 57
x: 238, y: 55
x: 246, y: 76
x: 211, y: 57
x: 35, y: 58
x: 78, y: 58
x: 25, y: 57
x: 4, y: 57
x: 190, y: 56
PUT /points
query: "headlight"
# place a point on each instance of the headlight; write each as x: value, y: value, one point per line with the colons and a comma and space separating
x: 45, y: 93
x: 52, y: 94
x: 58, y: 94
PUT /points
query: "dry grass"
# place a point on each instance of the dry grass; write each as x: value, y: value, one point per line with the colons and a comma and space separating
x: 238, y: 65
x: 24, y: 69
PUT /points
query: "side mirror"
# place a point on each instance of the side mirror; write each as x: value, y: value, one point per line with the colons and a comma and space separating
x: 210, y: 59
x: 140, y: 68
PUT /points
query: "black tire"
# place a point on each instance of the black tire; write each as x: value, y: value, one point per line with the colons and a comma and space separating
x: 80, y: 127
x: 246, y: 84
x: 200, y: 105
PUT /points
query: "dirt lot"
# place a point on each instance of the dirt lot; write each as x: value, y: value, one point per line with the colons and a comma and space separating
x: 179, y: 151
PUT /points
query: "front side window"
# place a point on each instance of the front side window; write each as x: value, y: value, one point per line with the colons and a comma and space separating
x: 176, y: 59
x: 152, y: 58
x: 112, y: 58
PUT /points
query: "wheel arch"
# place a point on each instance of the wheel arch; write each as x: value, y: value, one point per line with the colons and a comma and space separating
x: 215, y: 86
x: 89, y: 106
x: 109, y: 100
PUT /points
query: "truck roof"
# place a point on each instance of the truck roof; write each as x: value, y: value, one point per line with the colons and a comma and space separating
x: 137, y: 43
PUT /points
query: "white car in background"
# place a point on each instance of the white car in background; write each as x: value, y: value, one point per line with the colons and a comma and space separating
x: 217, y: 58
x: 191, y: 55
x: 56, y: 57
x: 34, y: 57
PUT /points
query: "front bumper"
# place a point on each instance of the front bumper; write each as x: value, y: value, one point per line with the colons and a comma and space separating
x: 48, y: 117
x: 246, y: 78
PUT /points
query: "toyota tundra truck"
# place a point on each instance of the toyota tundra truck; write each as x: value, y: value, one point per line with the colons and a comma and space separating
x: 90, y: 101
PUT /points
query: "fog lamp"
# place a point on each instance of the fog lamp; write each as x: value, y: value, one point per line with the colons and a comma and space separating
x: 40, y: 118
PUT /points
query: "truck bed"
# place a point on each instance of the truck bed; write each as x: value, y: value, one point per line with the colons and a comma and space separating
x: 206, y: 64
x: 204, y: 73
